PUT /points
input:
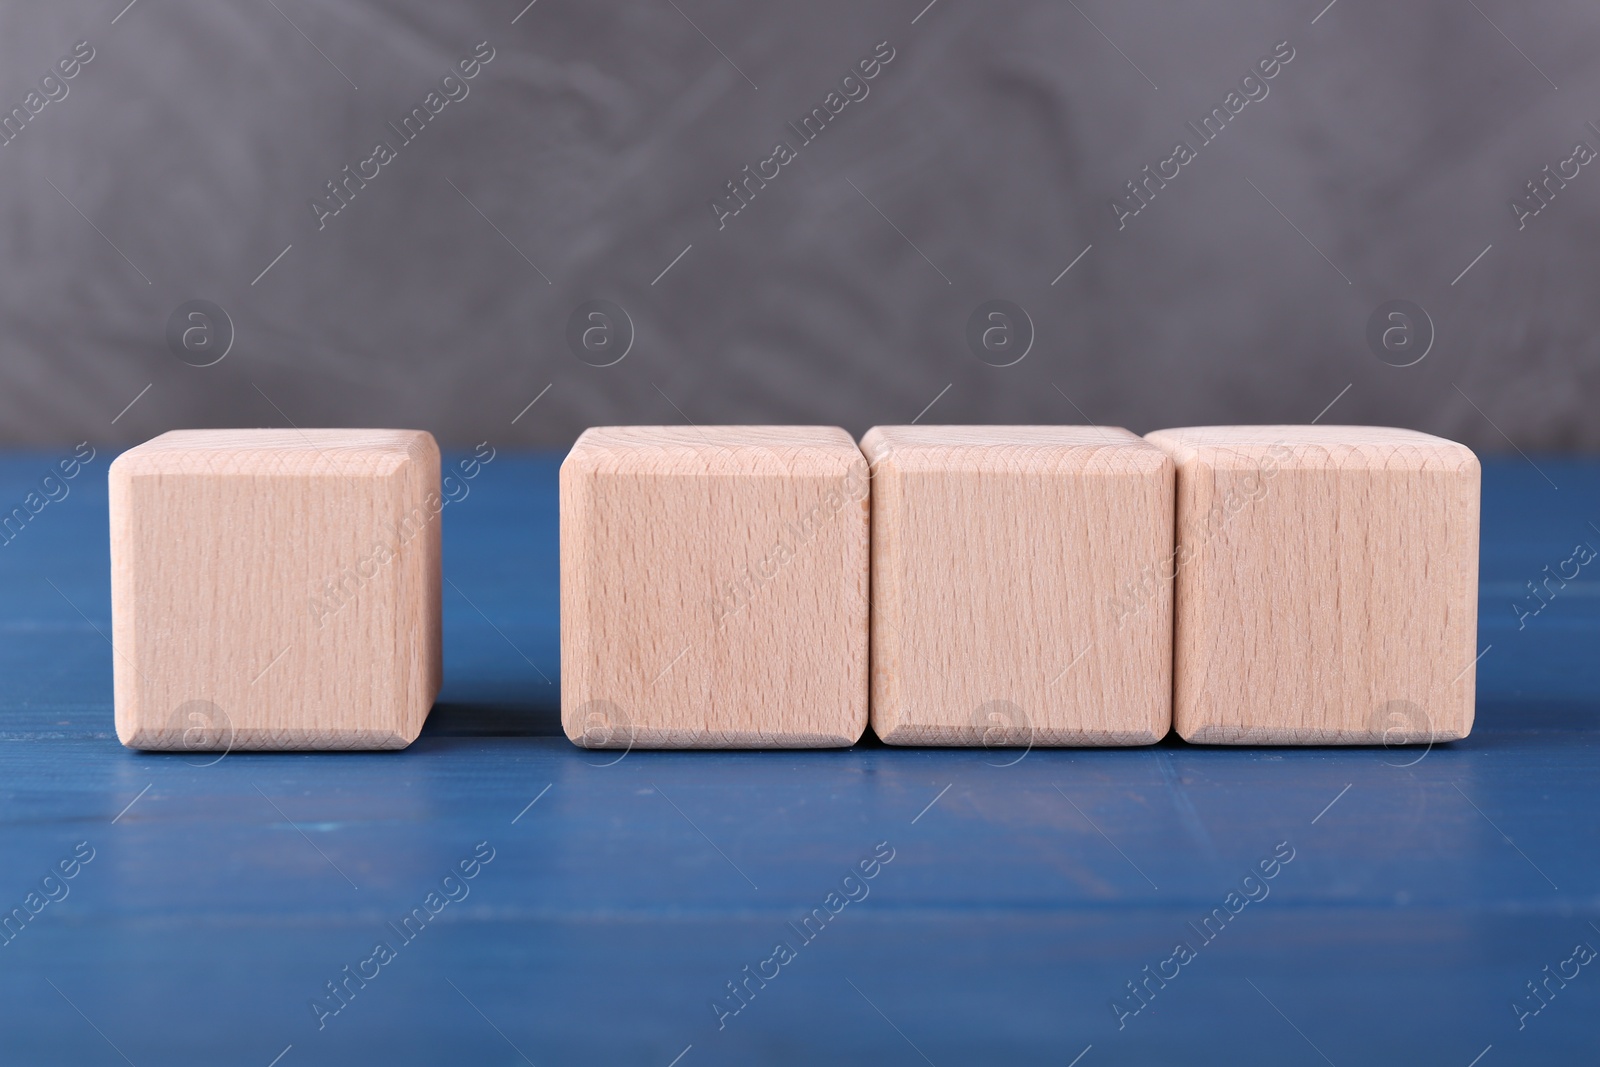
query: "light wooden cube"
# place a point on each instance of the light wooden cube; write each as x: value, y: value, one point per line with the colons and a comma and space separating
x: 1004, y: 561
x: 714, y: 587
x: 275, y: 589
x: 1327, y: 585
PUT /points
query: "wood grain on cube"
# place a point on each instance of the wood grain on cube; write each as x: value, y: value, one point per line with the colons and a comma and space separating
x: 714, y: 587
x: 1326, y: 585
x: 275, y: 589
x: 1016, y: 593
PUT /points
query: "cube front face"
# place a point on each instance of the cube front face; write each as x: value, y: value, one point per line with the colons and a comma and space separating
x: 276, y: 589
x: 1326, y: 585
x: 1018, y: 591
x: 714, y: 588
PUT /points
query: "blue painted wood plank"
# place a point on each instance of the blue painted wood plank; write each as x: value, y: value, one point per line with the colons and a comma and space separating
x: 1422, y: 897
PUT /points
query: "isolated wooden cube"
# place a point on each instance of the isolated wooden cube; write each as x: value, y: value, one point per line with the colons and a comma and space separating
x: 1017, y: 597
x: 1327, y: 585
x: 714, y: 587
x: 275, y: 589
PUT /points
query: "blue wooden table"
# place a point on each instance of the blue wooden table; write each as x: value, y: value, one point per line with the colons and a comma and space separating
x: 1018, y: 911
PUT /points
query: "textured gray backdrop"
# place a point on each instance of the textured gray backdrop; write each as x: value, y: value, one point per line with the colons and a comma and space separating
x: 184, y: 156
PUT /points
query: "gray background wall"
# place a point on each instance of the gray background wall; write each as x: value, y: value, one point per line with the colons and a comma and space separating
x: 185, y: 155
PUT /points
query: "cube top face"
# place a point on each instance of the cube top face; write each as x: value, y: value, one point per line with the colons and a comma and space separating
x: 1000, y: 449
x: 1326, y: 585
x: 275, y: 589
x: 733, y: 450
x: 714, y: 588
x: 288, y: 452
x: 1315, y: 447
x: 1018, y: 593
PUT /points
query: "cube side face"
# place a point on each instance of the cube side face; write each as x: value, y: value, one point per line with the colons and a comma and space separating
x: 1326, y: 600
x: 276, y: 611
x: 1043, y: 581
x: 710, y: 609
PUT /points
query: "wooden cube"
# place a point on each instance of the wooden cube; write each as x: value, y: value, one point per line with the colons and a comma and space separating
x: 1016, y: 598
x: 714, y: 587
x: 1327, y: 585
x: 275, y: 589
